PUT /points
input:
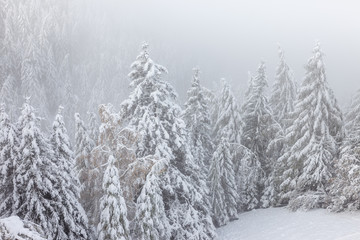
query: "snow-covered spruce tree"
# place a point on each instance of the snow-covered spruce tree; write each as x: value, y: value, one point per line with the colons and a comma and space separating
x: 223, y: 189
x: 9, y: 141
x: 345, y: 185
x: 113, y: 223
x: 283, y: 92
x: 228, y: 120
x: 85, y: 168
x: 36, y: 176
x: 150, y: 219
x: 313, y: 138
x: 152, y: 112
x: 259, y: 128
x: 197, y: 120
x: 73, y: 221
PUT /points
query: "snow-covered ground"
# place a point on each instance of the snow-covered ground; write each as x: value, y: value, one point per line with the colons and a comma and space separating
x: 281, y: 224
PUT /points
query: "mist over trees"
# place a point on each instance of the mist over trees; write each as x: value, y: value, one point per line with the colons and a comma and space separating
x: 96, y: 144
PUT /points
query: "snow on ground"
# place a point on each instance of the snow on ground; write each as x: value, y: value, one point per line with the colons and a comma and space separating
x: 281, y: 224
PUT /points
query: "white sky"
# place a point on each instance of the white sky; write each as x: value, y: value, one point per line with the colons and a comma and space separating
x: 229, y: 38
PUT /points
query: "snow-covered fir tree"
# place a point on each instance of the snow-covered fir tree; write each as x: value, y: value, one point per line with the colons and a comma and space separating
x: 8, y: 96
x: 259, y: 126
x: 345, y: 184
x: 151, y: 110
x: 228, y: 117
x: 113, y: 223
x: 9, y: 159
x: 283, y: 92
x: 197, y: 120
x: 150, y: 219
x: 37, y: 177
x: 223, y: 189
x: 312, y: 140
x: 73, y: 221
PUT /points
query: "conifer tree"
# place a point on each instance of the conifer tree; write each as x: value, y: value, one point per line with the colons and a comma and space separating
x: 113, y: 223
x: 259, y: 126
x: 228, y: 121
x: 223, y: 187
x: 150, y: 218
x: 151, y: 110
x: 73, y: 221
x: 313, y: 137
x: 36, y: 176
x: 283, y: 92
x: 9, y: 158
x: 345, y: 184
x: 197, y: 120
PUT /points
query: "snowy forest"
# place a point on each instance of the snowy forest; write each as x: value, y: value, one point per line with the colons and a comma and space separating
x: 97, y: 143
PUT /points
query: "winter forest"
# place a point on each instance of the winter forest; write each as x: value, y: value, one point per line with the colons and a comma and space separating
x: 99, y: 138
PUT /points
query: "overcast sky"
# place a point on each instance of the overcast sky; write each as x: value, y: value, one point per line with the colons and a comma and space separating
x: 229, y: 38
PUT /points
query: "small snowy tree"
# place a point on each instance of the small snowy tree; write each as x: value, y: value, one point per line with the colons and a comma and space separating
x: 73, y: 221
x: 313, y: 137
x: 113, y: 223
x: 9, y: 141
x: 197, y: 120
x: 223, y: 187
x: 283, y: 92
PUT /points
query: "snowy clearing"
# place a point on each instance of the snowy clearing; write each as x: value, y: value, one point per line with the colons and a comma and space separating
x: 280, y: 223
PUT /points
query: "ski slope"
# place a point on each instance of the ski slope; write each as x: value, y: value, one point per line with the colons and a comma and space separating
x: 281, y: 224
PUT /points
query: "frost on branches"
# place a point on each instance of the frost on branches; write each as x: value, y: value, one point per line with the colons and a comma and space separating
x: 313, y: 137
x: 152, y: 112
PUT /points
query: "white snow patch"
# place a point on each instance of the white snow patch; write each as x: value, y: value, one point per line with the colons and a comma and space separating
x: 281, y: 224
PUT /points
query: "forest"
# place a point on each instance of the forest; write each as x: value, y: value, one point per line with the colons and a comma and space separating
x: 95, y: 143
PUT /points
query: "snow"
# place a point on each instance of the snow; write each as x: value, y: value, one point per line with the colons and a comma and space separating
x: 281, y: 224
x: 16, y: 228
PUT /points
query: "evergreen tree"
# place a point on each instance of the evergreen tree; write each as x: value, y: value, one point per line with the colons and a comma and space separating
x: 313, y: 137
x: 9, y: 158
x: 345, y: 185
x: 113, y: 218
x: 228, y: 121
x: 197, y: 120
x: 151, y: 110
x: 36, y: 176
x: 73, y: 221
x: 150, y: 218
x: 259, y: 127
x: 283, y: 92
x: 223, y: 187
